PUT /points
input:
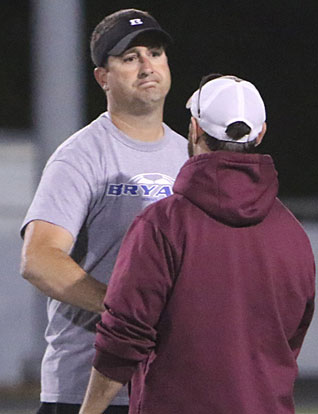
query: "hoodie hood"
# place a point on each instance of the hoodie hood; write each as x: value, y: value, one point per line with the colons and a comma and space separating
x: 234, y: 188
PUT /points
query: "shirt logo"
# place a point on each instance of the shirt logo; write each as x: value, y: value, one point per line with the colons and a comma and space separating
x: 135, y: 22
x: 150, y: 185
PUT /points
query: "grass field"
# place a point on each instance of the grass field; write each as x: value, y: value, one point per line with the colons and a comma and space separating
x: 32, y: 410
x: 24, y: 399
x: 30, y: 406
x: 308, y: 411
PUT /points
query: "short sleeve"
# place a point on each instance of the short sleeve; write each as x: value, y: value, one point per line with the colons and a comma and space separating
x: 62, y: 197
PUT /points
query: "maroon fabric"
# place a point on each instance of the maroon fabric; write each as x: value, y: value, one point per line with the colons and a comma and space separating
x: 211, y: 295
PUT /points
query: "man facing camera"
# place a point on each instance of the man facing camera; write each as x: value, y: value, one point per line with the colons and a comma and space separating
x: 91, y: 189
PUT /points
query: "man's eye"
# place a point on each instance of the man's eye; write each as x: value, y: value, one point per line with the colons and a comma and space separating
x: 130, y: 58
x: 156, y: 53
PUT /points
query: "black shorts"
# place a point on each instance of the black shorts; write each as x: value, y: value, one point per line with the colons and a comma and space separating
x: 62, y: 408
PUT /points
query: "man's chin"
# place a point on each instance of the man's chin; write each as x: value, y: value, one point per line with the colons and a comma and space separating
x: 151, y: 97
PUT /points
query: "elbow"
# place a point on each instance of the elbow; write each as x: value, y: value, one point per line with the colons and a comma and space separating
x: 26, y: 267
x: 25, y: 273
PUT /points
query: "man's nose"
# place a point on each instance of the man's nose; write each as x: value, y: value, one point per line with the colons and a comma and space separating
x: 145, y: 66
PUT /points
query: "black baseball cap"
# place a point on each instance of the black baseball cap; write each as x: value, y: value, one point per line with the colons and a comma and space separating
x: 118, y: 38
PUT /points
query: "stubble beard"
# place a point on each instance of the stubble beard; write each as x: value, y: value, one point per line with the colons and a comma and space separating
x: 148, y: 101
x: 190, y: 147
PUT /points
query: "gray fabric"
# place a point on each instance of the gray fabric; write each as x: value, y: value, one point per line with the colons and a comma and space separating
x: 94, y: 185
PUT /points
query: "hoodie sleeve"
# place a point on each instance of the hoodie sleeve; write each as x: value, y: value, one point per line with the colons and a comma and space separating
x: 297, y: 340
x: 140, y: 285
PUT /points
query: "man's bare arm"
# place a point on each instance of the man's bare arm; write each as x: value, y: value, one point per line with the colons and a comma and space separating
x: 47, y: 265
x: 99, y: 394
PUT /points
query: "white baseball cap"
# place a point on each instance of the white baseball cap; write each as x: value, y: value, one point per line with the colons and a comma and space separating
x: 224, y: 100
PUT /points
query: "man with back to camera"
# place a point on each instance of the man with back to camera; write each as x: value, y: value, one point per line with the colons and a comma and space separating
x: 213, y: 288
x: 91, y: 189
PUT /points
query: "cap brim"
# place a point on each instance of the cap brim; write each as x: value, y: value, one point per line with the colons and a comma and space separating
x: 189, y: 101
x: 127, y: 40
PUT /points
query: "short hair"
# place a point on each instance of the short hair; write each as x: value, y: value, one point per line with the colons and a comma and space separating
x: 236, y: 128
x: 235, y: 131
x: 108, y: 23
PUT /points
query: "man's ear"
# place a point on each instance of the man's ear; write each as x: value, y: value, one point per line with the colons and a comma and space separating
x: 100, y: 75
x: 195, y: 130
x: 261, y: 134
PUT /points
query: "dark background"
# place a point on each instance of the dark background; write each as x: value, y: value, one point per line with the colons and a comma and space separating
x: 271, y: 43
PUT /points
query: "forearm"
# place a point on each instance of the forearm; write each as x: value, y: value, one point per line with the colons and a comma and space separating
x: 57, y: 275
x: 99, y: 394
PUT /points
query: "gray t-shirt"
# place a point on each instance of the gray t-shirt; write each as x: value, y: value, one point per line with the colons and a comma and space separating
x: 94, y: 184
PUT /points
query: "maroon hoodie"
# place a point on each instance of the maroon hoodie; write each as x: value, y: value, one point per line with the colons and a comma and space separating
x: 211, y: 295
